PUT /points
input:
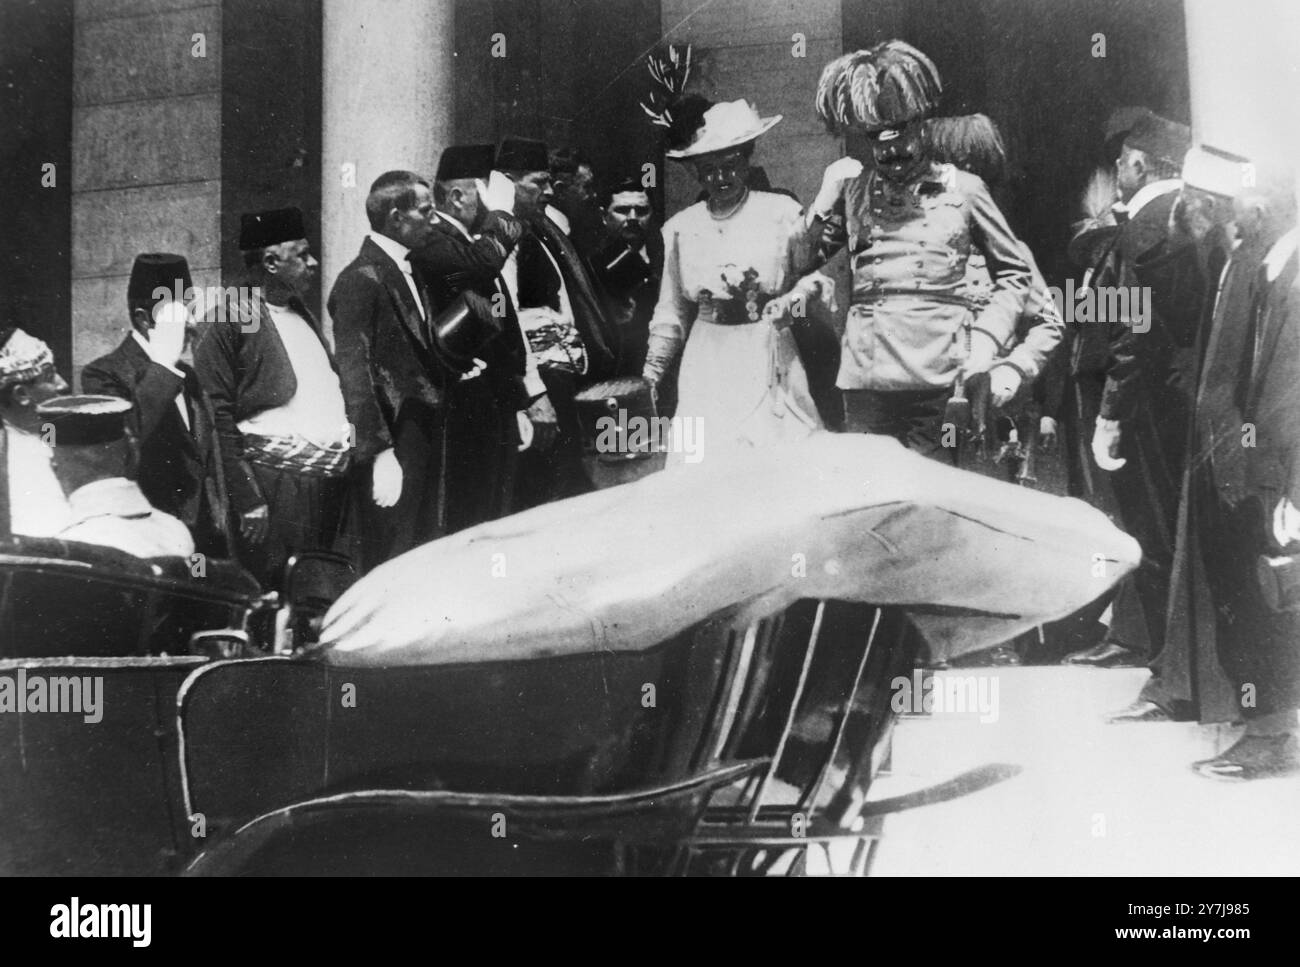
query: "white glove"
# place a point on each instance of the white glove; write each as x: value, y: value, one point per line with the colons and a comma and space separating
x: 498, y: 195
x: 1105, y: 445
x: 474, y: 371
x: 1003, y: 383
x: 1047, y: 433
x: 837, y: 172
x: 167, y: 338
x: 1286, y: 523
x: 387, y: 477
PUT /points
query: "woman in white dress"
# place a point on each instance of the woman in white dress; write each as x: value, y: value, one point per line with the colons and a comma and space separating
x: 726, y: 260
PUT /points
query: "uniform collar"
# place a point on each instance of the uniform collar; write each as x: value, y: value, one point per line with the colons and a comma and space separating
x: 110, y: 497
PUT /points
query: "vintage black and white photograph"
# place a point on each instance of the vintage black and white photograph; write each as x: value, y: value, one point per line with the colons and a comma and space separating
x: 650, y: 438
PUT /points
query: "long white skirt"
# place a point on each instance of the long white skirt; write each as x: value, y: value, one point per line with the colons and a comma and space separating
x: 740, y: 386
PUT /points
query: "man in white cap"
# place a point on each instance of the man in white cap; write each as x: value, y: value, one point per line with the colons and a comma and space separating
x: 37, y: 506
x: 93, y: 455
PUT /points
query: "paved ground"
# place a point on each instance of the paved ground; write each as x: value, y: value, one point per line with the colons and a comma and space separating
x: 1088, y: 798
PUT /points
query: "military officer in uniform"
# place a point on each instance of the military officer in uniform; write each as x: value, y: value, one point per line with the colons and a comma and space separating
x: 910, y: 225
x: 92, y: 457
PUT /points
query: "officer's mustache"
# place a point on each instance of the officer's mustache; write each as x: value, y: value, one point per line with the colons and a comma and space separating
x: 893, y: 155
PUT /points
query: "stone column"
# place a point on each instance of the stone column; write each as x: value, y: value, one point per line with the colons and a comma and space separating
x: 388, y: 103
x: 1245, y: 85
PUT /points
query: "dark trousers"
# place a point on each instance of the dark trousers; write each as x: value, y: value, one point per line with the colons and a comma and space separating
x: 913, y: 417
x: 482, y: 454
x: 379, y: 533
x: 556, y: 473
x: 305, y: 513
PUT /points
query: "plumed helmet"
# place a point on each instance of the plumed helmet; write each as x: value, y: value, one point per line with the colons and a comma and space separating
x: 884, y: 87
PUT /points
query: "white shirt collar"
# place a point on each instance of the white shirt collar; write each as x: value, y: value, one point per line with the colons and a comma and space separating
x: 394, y: 250
x: 1149, y: 193
x: 1281, y: 253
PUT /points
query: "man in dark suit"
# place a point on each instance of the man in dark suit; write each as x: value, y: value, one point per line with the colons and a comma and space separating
x: 474, y: 233
x: 629, y: 265
x: 282, y: 418
x: 561, y: 311
x: 180, y: 470
x: 396, y: 374
x: 1244, y: 491
x: 1141, y: 428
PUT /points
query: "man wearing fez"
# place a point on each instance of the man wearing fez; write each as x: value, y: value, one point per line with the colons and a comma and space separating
x: 629, y: 265
x: 93, y: 455
x: 280, y: 412
x: 474, y: 232
x: 179, y: 469
x: 1149, y: 366
x: 396, y: 375
x: 37, y: 505
x: 561, y: 312
x: 910, y: 225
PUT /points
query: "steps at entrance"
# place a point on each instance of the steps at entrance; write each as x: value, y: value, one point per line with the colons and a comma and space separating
x: 1089, y: 798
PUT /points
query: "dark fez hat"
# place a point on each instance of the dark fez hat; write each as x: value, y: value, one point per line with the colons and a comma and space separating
x: 522, y: 154
x: 261, y: 229
x: 80, y: 421
x: 463, y: 329
x: 1161, y: 138
x: 465, y: 161
x: 613, y: 440
x: 157, y: 270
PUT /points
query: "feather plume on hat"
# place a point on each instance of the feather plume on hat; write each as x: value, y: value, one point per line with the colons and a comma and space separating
x: 670, y: 72
x: 887, y: 86
x: 1092, y: 232
x: 971, y: 142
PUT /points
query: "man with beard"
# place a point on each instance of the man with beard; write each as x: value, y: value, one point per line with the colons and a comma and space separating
x: 37, y: 505
x: 171, y: 418
x: 474, y: 232
x: 561, y: 312
x: 1230, y: 652
x: 279, y: 409
x: 910, y: 226
x: 1150, y: 299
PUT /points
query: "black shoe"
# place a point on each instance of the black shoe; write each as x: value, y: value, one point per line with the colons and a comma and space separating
x: 1142, y: 711
x: 1107, y: 654
x: 1254, y: 757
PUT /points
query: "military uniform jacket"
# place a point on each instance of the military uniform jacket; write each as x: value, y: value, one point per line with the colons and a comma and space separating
x: 908, y: 248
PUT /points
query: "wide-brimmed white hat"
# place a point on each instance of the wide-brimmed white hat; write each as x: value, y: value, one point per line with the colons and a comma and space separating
x: 726, y: 125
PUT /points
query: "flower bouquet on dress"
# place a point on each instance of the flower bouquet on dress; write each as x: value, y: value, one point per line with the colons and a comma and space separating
x: 741, y: 300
